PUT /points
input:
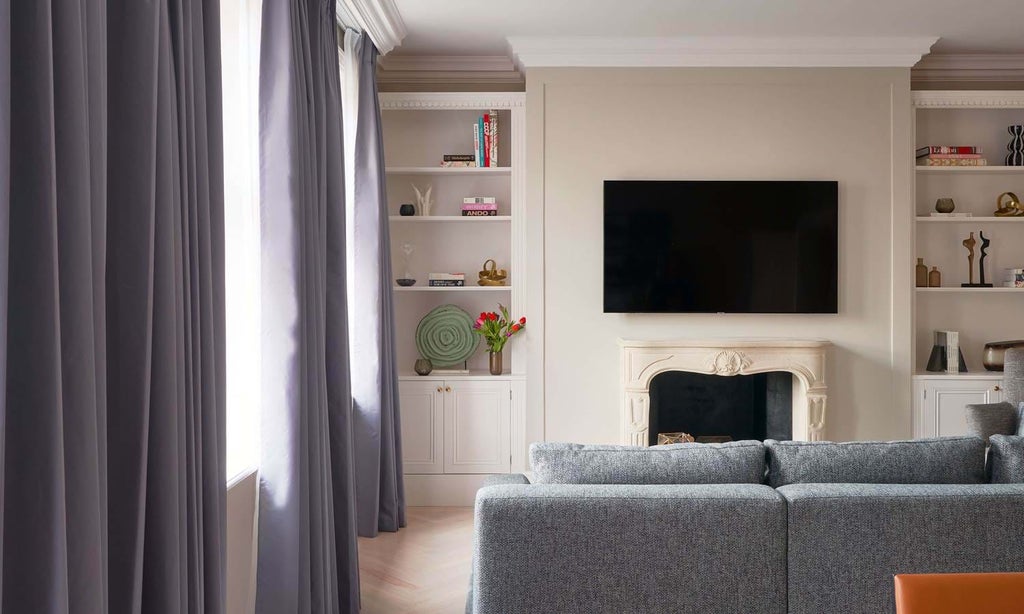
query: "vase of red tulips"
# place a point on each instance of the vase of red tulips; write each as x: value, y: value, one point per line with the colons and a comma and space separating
x: 497, y: 329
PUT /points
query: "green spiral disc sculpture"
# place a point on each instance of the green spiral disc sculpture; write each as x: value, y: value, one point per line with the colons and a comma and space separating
x: 446, y: 337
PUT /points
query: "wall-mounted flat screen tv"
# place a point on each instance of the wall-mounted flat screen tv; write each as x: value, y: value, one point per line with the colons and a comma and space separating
x: 721, y: 246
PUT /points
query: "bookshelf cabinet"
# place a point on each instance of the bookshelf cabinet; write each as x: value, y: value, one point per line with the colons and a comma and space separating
x: 980, y: 315
x: 484, y: 412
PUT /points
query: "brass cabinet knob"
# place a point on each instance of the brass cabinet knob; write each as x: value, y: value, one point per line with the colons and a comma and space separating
x: 439, y: 389
x: 997, y: 388
x: 447, y: 388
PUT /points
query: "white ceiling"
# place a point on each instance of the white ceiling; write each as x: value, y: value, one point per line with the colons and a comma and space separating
x: 471, y: 27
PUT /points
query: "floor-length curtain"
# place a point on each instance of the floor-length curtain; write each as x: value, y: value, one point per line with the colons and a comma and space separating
x: 307, y: 522
x: 113, y: 480
x: 380, y: 494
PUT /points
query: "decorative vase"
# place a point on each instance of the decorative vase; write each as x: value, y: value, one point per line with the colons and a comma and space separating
x: 494, y: 362
x: 406, y: 210
x: 945, y: 205
x: 921, y: 274
x: 1015, y: 146
x: 935, y: 278
x: 423, y: 366
x: 995, y: 353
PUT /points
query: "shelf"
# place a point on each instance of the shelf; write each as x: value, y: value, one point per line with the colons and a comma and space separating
x: 976, y: 170
x: 982, y: 219
x: 977, y: 375
x: 953, y: 289
x: 472, y: 375
x: 453, y: 289
x: 449, y: 170
x: 476, y: 219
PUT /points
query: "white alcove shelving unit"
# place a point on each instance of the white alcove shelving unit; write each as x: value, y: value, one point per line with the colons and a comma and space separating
x: 980, y: 315
x: 456, y: 429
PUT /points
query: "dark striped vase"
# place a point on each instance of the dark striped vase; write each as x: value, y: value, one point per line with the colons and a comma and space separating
x: 1015, y: 146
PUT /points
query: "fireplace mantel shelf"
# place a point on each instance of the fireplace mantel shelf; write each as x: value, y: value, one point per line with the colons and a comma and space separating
x: 642, y: 360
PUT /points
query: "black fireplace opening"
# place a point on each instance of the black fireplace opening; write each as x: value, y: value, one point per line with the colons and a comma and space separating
x: 722, y: 408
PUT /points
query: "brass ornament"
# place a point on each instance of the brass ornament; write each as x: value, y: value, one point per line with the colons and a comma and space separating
x: 1011, y: 208
x: 491, y: 275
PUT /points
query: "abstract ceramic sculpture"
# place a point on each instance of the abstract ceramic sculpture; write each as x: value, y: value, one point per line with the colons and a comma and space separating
x: 1015, y: 146
x: 981, y: 263
x: 969, y: 243
x: 445, y: 336
x: 423, y: 201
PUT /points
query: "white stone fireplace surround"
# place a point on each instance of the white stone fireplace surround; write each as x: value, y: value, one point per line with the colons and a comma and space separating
x: 643, y: 360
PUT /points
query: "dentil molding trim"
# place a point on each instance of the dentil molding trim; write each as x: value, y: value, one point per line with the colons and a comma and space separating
x: 402, y: 101
x: 718, y: 51
x: 378, y: 18
x: 968, y: 99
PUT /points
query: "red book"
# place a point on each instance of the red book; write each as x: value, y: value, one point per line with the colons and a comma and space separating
x: 947, y: 149
x: 487, y: 139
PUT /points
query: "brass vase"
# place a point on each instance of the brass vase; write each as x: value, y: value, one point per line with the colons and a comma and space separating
x: 494, y: 362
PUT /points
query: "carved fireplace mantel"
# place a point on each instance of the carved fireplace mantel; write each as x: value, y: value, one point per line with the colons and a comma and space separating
x: 805, y: 359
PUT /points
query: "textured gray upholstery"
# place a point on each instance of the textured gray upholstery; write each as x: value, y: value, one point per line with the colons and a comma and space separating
x: 685, y: 549
x: 847, y: 540
x: 946, y: 460
x: 1006, y: 459
x: 739, y: 462
x: 1020, y: 418
x: 1013, y: 376
x: 504, y: 479
x: 987, y: 419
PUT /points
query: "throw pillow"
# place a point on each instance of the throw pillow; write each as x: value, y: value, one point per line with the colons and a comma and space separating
x: 1006, y: 459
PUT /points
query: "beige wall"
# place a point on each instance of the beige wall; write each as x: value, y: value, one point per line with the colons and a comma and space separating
x: 849, y: 125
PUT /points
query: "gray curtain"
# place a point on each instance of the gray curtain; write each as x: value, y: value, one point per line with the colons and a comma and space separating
x: 307, y: 520
x: 380, y: 493
x: 113, y: 474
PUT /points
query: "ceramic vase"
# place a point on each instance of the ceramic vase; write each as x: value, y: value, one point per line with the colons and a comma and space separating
x: 1015, y: 146
x: 423, y: 366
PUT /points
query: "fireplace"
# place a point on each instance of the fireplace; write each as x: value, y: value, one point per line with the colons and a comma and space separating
x: 713, y: 408
x: 804, y: 360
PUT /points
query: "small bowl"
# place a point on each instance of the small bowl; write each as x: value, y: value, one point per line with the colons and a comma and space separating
x: 405, y: 283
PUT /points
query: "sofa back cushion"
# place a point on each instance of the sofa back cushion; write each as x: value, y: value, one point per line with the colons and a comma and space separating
x: 738, y: 462
x: 1006, y: 459
x: 946, y: 460
x: 1020, y: 419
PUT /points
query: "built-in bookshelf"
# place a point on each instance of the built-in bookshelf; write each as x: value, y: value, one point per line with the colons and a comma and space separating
x: 980, y: 315
x: 456, y: 427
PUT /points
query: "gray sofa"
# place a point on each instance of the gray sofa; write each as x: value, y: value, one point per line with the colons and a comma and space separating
x: 805, y: 528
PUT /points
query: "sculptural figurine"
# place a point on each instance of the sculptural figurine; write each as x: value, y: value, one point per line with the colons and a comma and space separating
x: 981, y: 261
x: 969, y: 243
x: 1008, y: 205
x: 423, y: 201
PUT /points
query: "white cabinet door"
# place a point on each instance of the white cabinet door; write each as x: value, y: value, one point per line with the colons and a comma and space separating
x: 477, y: 417
x: 422, y: 426
x: 942, y: 404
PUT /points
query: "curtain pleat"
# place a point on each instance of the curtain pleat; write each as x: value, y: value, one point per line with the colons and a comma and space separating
x: 113, y: 470
x: 307, y: 536
x: 380, y: 490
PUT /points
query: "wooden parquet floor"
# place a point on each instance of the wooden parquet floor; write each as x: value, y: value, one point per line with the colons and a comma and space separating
x: 422, y: 569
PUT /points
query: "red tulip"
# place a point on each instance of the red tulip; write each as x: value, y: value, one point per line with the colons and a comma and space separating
x: 515, y: 328
x: 522, y: 320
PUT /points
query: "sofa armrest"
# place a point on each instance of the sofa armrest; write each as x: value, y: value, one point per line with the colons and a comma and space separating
x: 623, y: 548
x: 504, y: 479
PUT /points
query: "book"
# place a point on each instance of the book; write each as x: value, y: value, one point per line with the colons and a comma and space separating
x: 458, y: 158
x: 476, y: 144
x: 479, y: 212
x: 952, y: 156
x: 952, y: 351
x: 937, y: 214
x: 446, y: 283
x: 458, y: 164
x: 954, y: 162
x: 494, y: 138
x: 482, y: 200
x: 446, y: 276
x: 480, y: 142
x: 947, y: 149
x: 487, y: 139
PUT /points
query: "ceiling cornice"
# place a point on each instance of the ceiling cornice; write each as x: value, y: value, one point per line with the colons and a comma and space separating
x: 722, y: 51
x: 380, y: 19
x: 969, y: 68
x: 493, y: 70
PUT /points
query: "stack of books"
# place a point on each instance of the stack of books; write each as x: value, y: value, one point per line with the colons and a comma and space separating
x: 458, y: 160
x: 950, y: 155
x: 485, y: 139
x: 446, y: 280
x: 1014, y: 278
x: 479, y: 206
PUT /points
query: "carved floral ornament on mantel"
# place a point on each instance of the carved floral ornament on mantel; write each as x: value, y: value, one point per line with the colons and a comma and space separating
x: 728, y: 362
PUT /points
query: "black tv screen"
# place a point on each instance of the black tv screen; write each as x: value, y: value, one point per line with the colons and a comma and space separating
x: 721, y: 246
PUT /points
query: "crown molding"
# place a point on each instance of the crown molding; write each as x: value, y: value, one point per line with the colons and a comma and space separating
x: 968, y: 99
x: 969, y: 68
x: 442, y: 70
x: 378, y: 18
x: 404, y: 101
x: 721, y: 51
